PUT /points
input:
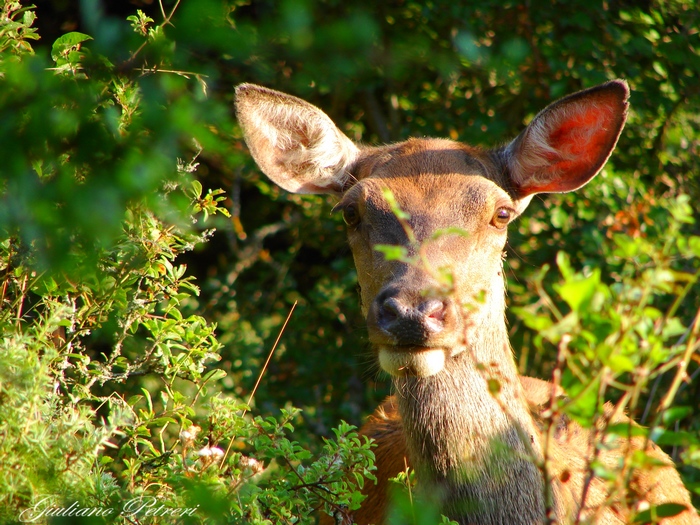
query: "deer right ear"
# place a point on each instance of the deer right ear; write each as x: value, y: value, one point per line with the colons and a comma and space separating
x: 568, y: 142
x: 295, y: 144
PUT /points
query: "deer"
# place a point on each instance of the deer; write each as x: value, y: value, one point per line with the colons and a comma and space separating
x: 471, y: 427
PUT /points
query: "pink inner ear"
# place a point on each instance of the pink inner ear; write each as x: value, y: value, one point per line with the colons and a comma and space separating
x: 582, y: 141
x: 583, y: 136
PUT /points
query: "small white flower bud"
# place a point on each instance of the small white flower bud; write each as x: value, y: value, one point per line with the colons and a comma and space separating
x: 188, y: 436
x: 204, y: 452
x: 252, y: 464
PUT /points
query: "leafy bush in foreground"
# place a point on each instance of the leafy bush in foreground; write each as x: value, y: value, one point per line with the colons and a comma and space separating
x: 109, y: 400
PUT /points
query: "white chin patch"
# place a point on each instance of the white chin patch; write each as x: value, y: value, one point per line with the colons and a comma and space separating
x: 419, y: 362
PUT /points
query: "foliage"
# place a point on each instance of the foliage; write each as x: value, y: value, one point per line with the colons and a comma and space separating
x: 110, y: 403
x: 115, y: 140
x: 409, y: 508
x: 618, y: 340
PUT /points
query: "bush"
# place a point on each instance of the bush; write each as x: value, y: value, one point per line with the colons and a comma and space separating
x: 109, y: 400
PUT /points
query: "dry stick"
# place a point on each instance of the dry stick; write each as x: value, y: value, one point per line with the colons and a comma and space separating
x: 682, y: 372
x: 20, y: 301
x: 274, y: 347
x: 553, y: 415
x: 595, y: 433
x: 260, y: 376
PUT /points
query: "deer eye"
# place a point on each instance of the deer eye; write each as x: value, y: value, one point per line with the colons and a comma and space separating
x: 350, y: 215
x: 501, y: 218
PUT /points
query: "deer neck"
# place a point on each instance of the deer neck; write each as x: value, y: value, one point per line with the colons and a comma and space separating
x: 469, y: 433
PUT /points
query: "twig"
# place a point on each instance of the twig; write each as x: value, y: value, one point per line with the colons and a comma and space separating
x: 260, y: 376
x: 596, y: 435
x: 166, y: 21
x: 155, y: 69
x: 553, y: 416
x: 274, y: 347
x: 650, y: 401
x: 682, y: 372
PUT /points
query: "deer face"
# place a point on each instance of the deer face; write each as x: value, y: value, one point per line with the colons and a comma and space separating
x: 440, y: 203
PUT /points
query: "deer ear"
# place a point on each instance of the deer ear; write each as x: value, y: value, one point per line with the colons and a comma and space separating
x: 295, y: 144
x: 568, y: 142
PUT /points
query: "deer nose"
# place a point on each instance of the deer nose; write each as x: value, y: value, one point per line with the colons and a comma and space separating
x: 408, y: 324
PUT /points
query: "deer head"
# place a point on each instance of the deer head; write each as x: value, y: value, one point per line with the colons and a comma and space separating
x: 447, y: 204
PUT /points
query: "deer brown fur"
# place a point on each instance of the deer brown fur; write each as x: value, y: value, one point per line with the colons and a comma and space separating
x: 473, y: 429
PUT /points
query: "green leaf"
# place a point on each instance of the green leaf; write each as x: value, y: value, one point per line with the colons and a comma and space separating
x: 559, y: 218
x: 621, y: 363
x: 494, y: 386
x: 564, y: 265
x: 63, y: 44
x: 532, y: 318
x: 660, y: 69
x: 394, y: 205
x: 584, y: 401
x: 568, y: 325
x: 626, y: 429
x: 578, y: 291
x: 665, y: 510
x: 694, y: 245
x: 673, y: 327
x: 668, y: 437
x: 392, y: 253
x: 676, y: 413
x: 196, y: 189
x: 449, y: 231
x: 214, y: 375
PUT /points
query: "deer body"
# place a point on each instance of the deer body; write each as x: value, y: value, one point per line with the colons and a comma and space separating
x: 463, y: 418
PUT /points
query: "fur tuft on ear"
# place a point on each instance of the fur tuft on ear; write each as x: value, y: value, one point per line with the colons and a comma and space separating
x: 295, y: 144
x: 568, y: 142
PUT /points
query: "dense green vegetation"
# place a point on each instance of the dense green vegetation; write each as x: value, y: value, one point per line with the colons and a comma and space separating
x: 147, y: 267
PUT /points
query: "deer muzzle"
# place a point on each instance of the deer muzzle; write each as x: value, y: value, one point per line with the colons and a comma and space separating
x: 413, y: 334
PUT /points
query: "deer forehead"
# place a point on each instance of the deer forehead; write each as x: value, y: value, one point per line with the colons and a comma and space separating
x: 438, y: 183
x: 420, y: 156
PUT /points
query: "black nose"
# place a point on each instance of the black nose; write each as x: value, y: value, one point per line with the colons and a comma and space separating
x: 409, y: 323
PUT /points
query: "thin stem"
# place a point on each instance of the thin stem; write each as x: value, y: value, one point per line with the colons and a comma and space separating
x: 260, y: 376
x: 597, y: 434
x: 166, y: 21
x: 682, y: 372
x: 274, y: 347
x: 548, y: 300
x: 553, y: 415
x: 20, y: 300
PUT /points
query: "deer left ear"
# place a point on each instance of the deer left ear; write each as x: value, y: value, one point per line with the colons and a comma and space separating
x: 568, y: 142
